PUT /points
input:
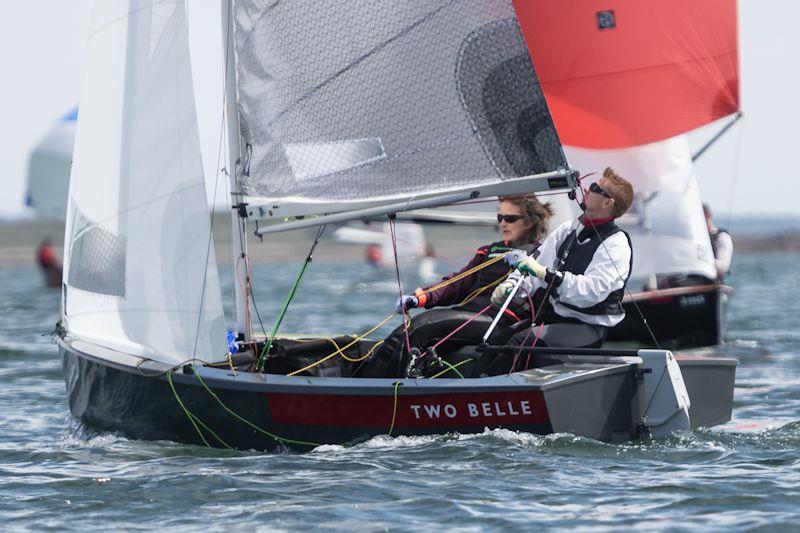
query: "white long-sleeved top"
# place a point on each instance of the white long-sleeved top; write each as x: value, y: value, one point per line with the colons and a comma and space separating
x: 606, y: 273
x: 723, y: 252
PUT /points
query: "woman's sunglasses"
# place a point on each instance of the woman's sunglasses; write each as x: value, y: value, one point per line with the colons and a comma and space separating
x: 508, y: 218
x: 594, y: 187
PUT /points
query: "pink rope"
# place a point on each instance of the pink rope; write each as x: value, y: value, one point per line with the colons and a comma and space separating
x: 459, y: 328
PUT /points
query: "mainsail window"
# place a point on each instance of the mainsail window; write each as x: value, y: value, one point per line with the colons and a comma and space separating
x: 97, y: 258
x: 315, y: 160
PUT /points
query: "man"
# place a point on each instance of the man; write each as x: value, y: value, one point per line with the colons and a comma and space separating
x: 580, y: 275
x: 721, y: 245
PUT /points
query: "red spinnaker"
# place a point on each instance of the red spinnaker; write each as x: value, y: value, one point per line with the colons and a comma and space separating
x: 619, y: 73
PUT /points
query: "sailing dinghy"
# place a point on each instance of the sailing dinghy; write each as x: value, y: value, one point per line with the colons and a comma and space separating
x: 625, y: 90
x: 333, y: 113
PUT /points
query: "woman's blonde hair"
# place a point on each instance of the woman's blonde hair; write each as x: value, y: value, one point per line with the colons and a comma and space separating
x: 534, y: 213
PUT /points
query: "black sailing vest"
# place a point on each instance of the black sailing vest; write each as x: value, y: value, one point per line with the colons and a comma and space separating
x: 581, y: 251
x: 494, y: 272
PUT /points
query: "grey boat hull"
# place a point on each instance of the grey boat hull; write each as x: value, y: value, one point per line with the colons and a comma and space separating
x: 599, y: 398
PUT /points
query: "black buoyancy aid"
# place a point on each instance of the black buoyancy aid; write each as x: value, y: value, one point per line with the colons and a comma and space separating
x: 580, y: 254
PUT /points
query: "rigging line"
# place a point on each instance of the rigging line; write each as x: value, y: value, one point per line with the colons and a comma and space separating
x: 194, y: 419
x: 268, y: 344
x: 527, y: 333
x: 459, y: 328
x: 394, y: 407
x: 451, y: 367
x: 736, y: 173
x: 464, y: 274
x: 400, y: 284
x: 353, y: 359
x: 347, y: 346
x: 628, y: 290
x: 249, y: 423
x: 655, y: 390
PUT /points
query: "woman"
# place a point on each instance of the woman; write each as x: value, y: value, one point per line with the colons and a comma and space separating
x: 522, y: 222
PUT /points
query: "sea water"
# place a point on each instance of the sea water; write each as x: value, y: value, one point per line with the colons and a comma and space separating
x: 56, y: 473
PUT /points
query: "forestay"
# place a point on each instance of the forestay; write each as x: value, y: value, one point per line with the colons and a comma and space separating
x: 349, y: 104
x: 139, y: 274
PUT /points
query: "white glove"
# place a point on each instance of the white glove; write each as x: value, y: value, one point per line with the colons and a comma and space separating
x: 501, y: 292
x: 529, y: 265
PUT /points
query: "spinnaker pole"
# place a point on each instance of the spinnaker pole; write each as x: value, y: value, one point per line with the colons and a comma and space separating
x: 716, y: 137
x: 241, y: 270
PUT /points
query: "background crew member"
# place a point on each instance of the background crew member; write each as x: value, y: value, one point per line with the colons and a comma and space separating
x: 721, y: 244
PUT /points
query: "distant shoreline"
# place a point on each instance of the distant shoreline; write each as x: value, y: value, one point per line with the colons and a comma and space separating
x: 19, y: 240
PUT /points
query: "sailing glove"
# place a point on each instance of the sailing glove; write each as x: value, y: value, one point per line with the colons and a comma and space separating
x: 529, y: 265
x: 501, y: 292
x: 405, y: 302
x: 515, y: 256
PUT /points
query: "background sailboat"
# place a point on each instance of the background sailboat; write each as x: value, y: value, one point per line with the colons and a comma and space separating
x: 626, y: 86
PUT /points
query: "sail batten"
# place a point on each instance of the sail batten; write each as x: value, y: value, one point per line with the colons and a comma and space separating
x: 339, y: 103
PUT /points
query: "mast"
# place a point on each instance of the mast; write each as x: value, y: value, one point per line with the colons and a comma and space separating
x: 241, y: 272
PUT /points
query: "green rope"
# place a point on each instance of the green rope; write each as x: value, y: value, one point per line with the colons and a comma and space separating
x: 252, y: 425
x: 451, y: 367
x: 285, y: 308
x: 193, y: 418
x: 268, y: 344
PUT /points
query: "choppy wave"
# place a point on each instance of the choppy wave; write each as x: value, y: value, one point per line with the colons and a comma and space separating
x: 56, y: 473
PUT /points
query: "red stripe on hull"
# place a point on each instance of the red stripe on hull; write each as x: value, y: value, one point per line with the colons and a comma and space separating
x: 439, y: 410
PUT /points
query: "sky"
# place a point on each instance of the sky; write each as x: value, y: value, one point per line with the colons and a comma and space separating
x: 749, y: 172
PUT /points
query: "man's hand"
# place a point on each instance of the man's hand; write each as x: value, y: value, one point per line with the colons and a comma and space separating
x: 529, y: 265
x: 501, y: 292
x: 405, y: 302
x: 515, y: 256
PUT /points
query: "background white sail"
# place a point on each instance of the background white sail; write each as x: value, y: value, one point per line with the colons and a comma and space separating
x: 139, y: 274
x: 666, y: 221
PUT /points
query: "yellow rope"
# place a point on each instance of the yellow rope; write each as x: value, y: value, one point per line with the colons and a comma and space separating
x: 357, y: 359
x: 340, y: 350
x: 466, y: 273
x: 394, y: 407
x: 474, y: 294
x: 452, y: 367
x: 470, y: 297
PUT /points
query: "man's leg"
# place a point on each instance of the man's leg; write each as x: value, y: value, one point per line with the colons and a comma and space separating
x: 558, y: 335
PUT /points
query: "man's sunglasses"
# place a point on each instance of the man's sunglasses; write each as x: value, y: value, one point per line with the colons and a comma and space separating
x: 508, y: 218
x: 594, y: 187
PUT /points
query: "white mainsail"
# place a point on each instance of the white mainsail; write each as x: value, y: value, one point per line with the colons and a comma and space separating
x: 140, y: 273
